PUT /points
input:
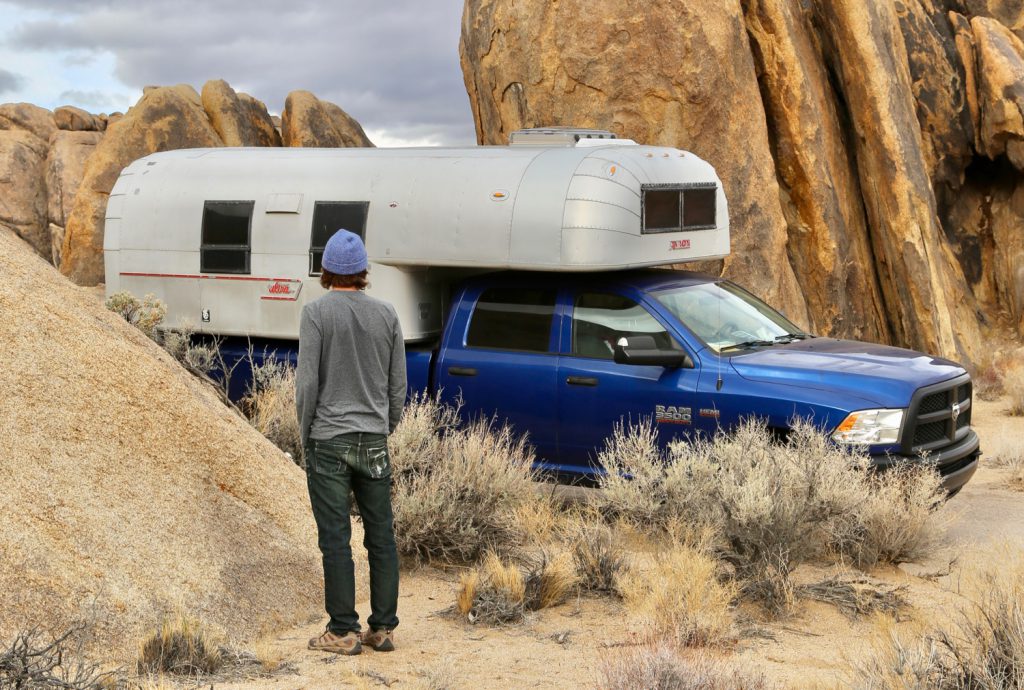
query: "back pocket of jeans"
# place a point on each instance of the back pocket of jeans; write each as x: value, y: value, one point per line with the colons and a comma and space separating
x: 378, y: 465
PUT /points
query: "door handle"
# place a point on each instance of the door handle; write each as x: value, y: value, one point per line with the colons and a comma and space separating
x: 581, y: 381
x: 462, y: 371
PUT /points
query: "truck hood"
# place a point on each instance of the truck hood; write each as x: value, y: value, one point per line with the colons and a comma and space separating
x: 883, y: 375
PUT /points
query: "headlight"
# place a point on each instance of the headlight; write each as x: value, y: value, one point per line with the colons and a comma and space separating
x: 868, y: 427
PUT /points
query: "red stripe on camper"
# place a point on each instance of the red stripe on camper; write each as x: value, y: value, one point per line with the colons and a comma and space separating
x: 201, y: 277
x: 282, y: 299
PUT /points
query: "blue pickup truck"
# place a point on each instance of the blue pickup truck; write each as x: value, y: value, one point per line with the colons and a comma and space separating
x: 566, y: 356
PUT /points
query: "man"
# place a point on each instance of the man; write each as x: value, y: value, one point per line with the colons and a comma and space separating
x: 350, y: 390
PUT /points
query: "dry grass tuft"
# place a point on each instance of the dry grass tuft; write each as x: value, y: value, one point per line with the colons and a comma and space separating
x: 857, y: 596
x: 661, y: 667
x: 680, y: 597
x: 457, y: 490
x: 770, y: 505
x: 598, y: 556
x: 270, y: 406
x: 180, y: 646
x: 498, y: 592
x: 983, y: 650
x: 1013, y: 385
x: 1010, y: 456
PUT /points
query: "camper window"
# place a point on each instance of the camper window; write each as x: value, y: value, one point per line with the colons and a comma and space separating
x: 675, y: 208
x: 225, y: 237
x: 328, y: 218
x: 512, y: 319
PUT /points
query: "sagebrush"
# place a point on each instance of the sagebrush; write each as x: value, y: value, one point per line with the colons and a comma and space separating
x: 34, y: 659
x: 982, y: 649
x: 500, y: 591
x: 663, y: 667
x: 457, y: 488
x: 270, y: 405
x: 771, y: 503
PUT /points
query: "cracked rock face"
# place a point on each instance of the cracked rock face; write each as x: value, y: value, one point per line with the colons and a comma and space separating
x: 674, y: 74
x: 858, y: 141
x: 308, y: 121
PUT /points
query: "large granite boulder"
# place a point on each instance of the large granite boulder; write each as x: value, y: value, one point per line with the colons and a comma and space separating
x: 72, y: 119
x: 65, y: 165
x: 1000, y: 58
x: 239, y: 119
x: 676, y: 74
x: 829, y: 244
x: 23, y: 187
x: 165, y: 118
x: 308, y: 121
x: 29, y: 118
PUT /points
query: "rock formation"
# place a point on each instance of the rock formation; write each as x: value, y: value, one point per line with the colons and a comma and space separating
x: 238, y: 118
x: 103, y: 439
x: 164, y: 118
x: 65, y: 164
x: 867, y: 148
x: 308, y: 121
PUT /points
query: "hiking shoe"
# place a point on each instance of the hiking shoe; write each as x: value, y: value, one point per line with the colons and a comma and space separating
x: 382, y: 640
x: 347, y: 644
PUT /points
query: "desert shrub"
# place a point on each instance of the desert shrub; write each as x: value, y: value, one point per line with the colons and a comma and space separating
x: 598, y: 557
x: 417, y: 443
x: 681, y: 597
x: 895, y: 522
x: 1010, y: 456
x: 455, y: 495
x: 1013, y: 385
x: 270, y: 405
x: 499, y: 591
x: 982, y: 650
x: 662, y: 667
x: 33, y: 659
x: 770, y: 505
x: 145, y: 314
x: 180, y: 646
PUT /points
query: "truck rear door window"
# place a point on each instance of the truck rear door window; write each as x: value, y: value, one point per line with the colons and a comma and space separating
x: 328, y: 218
x: 225, y: 237
x: 600, y: 319
x: 512, y: 319
x: 674, y: 208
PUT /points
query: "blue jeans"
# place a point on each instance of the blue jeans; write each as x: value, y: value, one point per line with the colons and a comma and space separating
x: 358, y: 463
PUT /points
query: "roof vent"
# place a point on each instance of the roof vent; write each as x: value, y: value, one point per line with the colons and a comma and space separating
x: 555, y: 136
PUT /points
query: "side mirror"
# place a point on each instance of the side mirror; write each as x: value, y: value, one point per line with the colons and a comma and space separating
x: 642, y: 350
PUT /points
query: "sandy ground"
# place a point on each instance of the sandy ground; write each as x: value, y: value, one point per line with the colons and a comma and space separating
x: 563, y: 647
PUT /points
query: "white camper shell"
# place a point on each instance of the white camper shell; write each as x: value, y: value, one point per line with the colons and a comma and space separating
x: 231, y: 238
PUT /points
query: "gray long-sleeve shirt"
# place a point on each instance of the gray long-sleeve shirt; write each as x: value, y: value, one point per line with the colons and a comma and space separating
x: 351, y: 372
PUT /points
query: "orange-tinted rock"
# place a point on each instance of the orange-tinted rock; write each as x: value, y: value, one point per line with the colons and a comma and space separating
x: 23, y: 187
x: 163, y: 119
x: 28, y: 118
x: 828, y: 237
x: 1000, y: 56
x: 925, y: 293
x: 308, y: 121
x: 677, y: 74
x: 70, y: 118
x: 239, y: 119
x: 65, y: 165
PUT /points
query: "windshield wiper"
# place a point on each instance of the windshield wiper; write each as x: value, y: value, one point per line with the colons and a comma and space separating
x: 790, y: 337
x: 748, y: 344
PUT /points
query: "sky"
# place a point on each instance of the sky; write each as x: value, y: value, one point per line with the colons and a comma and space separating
x: 393, y: 65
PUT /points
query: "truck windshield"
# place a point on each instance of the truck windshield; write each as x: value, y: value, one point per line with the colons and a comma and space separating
x: 727, y: 318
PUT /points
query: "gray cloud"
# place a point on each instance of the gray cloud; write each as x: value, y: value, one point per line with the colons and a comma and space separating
x: 9, y: 81
x: 92, y: 100
x: 392, y: 66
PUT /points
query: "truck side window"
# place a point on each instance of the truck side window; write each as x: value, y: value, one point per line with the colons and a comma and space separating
x: 600, y: 319
x: 328, y: 218
x: 673, y: 208
x: 512, y: 319
x: 225, y: 237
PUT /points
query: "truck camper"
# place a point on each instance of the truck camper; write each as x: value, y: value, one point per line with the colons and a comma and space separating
x: 530, y: 283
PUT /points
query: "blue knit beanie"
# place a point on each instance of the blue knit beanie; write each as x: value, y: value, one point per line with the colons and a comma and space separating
x: 344, y: 254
